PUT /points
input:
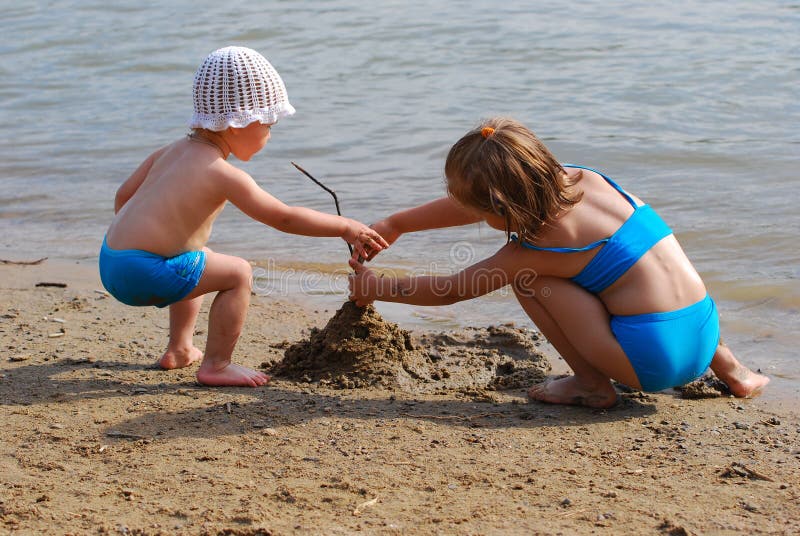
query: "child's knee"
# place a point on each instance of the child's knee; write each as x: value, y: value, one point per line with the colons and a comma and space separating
x: 244, y: 273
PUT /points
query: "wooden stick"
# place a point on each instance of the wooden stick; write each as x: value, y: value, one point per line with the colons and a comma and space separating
x: 335, y: 199
x: 752, y: 473
x: 24, y: 263
x: 455, y: 417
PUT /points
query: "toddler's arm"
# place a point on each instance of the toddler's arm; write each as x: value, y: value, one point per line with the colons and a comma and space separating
x: 242, y: 191
x: 132, y: 183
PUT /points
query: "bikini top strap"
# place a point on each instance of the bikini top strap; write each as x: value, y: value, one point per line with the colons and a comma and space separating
x: 528, y: 245
x: 609, y: 180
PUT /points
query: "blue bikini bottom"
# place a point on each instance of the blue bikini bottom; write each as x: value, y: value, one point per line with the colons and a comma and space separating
x: 137, y: 277
x: 672, y: 348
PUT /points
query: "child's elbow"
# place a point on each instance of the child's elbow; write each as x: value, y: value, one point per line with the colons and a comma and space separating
x: 119, y: 201
x: 281, y: 219
x: 450, y: 294
x: 450, y: 300
x: 457, y: 288
x: 282, y: 222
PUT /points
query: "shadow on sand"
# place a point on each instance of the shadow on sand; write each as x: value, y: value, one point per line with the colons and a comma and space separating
x: 217, y: 412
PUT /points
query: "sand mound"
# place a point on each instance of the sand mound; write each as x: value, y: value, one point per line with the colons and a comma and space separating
x: 358, y: 348
x: 708, y: 386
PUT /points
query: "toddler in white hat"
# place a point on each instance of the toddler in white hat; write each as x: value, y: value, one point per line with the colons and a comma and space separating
x: 236, y: 86
x: 154, y: 252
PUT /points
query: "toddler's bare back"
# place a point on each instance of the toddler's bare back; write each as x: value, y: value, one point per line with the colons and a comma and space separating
x: 180, y: 193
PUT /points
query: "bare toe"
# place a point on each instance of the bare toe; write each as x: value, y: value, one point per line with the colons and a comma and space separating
x: 231, y: 375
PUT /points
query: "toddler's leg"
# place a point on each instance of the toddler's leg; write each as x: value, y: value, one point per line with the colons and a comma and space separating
x: 181, y: 351
x: 231, y: 278
x: 577, y: 324
x: 742, y: 381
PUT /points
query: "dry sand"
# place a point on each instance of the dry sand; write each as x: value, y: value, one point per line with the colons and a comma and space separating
x: 96, y: 440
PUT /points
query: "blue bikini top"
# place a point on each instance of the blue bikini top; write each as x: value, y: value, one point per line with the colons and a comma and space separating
x: 640, y: 232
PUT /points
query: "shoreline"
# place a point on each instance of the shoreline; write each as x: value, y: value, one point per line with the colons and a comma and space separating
x: 96, y: 438
x: 304, y: 287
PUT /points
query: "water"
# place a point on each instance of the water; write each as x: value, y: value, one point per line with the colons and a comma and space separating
x: 691, y: 105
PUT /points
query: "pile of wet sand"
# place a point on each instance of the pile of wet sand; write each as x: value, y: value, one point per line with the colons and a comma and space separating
x: 358, y: 348
x: 707, y: 386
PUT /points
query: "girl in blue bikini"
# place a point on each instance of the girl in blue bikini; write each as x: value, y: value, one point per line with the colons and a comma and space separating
x: 597, y: 270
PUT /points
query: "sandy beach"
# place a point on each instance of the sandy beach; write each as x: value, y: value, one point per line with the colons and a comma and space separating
x: 97, y: 440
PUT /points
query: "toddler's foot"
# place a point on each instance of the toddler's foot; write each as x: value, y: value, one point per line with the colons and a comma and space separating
x: 570, y: 391
x: 745, y: 383
x: 231, y: 375
x: 174, y: 359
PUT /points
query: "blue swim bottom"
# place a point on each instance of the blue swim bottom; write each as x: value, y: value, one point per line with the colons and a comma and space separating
x: 672, y: 348
x: 137, y: 277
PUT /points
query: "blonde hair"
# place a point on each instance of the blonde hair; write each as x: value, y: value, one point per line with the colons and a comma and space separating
x: 501, y: 167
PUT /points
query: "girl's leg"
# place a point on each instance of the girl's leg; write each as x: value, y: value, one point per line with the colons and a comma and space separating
x: 742, y: 381
x: 577, y: 324
x: 231, y: 278
x: 181, y: 351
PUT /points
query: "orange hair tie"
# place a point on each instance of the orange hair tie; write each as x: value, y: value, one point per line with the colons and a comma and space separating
x: 487, y: 131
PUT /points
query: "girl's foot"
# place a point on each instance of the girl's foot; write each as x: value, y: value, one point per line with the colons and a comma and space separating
x: 742, y: 381
x: 231, y: 375
x: 745, y: 383
x: 174, y: 359
x: 570, y: 391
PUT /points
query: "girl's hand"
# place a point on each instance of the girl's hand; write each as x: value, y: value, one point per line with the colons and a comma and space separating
x: 364, y: 240
x: 363, y: 284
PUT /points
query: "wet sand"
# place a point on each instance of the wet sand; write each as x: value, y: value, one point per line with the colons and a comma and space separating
x: 98, y: 440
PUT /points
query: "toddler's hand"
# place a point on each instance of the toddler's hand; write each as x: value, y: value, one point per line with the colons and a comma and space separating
x: 387, y: 231
x: 363, y: 284
x: 364, y: 240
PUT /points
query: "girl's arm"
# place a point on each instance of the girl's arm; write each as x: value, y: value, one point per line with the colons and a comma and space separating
x: 481, y: 278
x: 443, y: 212
x: 242, y: 191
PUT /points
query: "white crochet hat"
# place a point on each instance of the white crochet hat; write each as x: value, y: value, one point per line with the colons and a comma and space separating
x: 236, y: 86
